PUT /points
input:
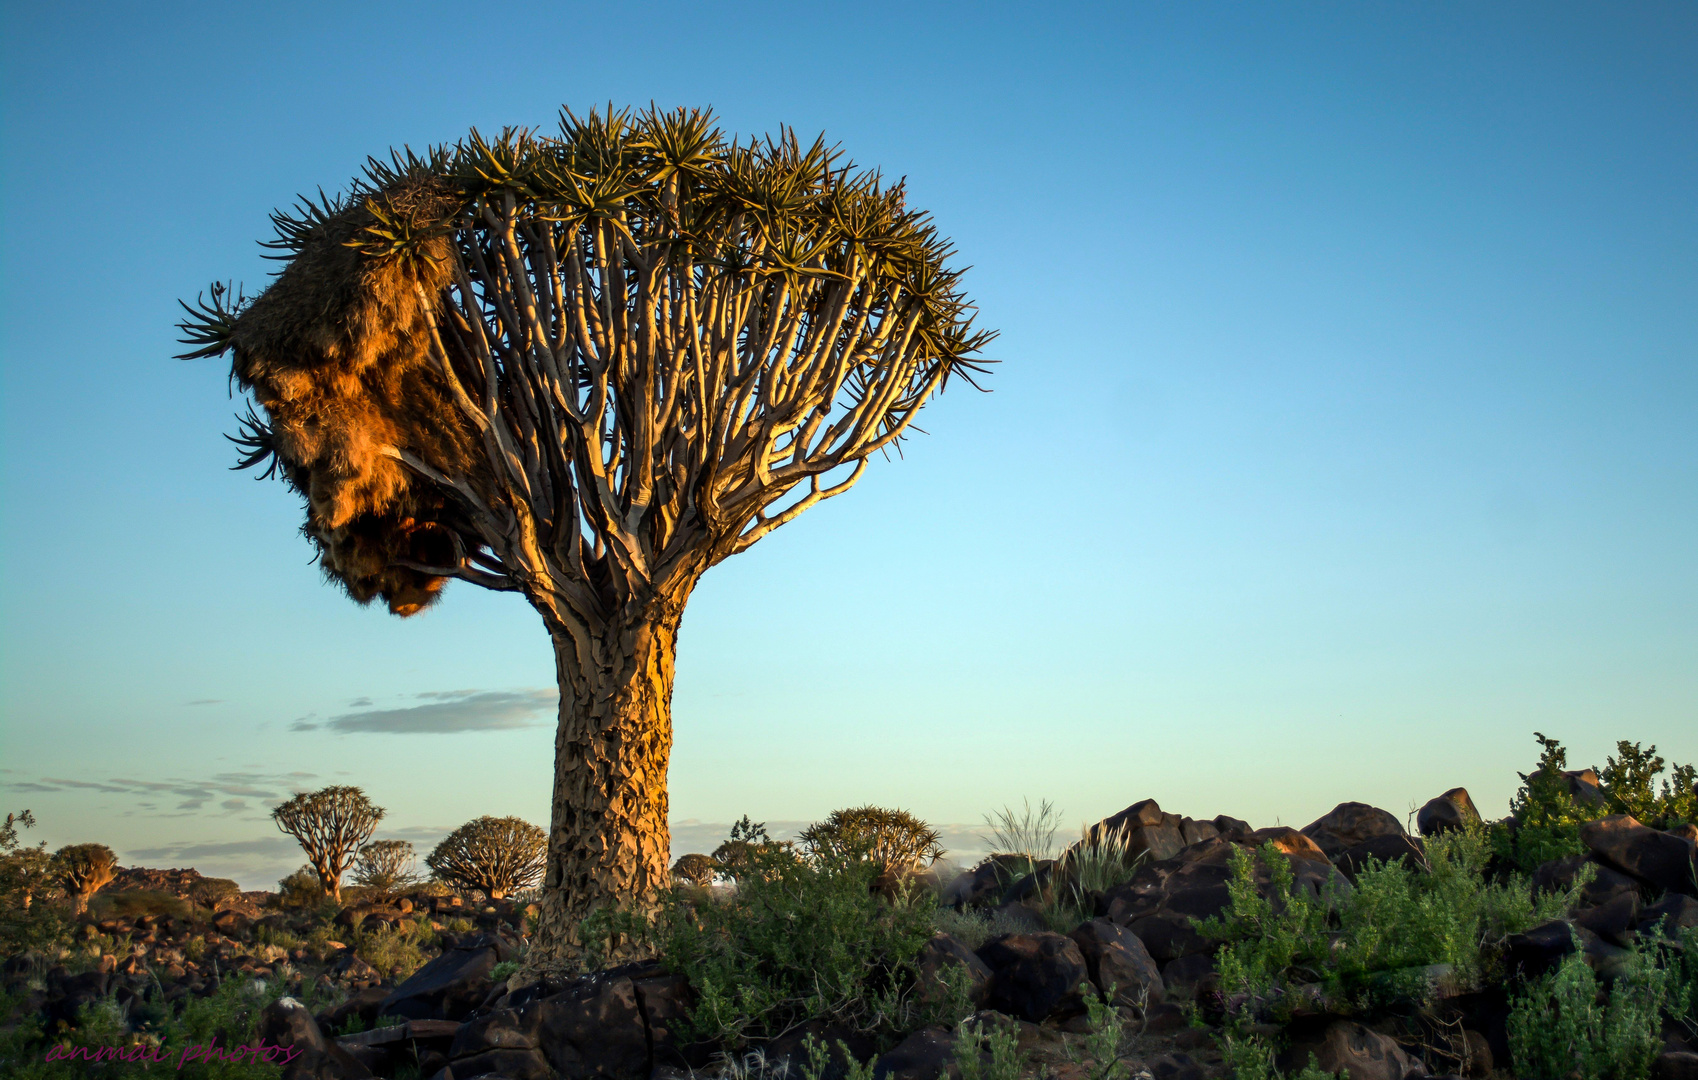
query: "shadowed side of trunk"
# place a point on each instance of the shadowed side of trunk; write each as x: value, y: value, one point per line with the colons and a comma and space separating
x: 608, y: 838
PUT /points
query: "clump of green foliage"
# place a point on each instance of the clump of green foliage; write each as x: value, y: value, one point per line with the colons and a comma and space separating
x: 1392, y: 937
x: 802, y: 938
x: 1629, y: 780
x: 395, y: 950
x: 1566, y: 1025
x: 974, y: 928
x: 230, y: 1014
x: 1545, y: 818
x: 1099, y: 861
x: 26, y: 879
x: 300, y: 889
x: 1027, y: 833
x: 975, y: 1040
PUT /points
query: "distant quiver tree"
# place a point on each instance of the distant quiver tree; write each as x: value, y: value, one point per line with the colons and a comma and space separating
x: 331, y: 825
x: 497, y: 855
x: 385, y: 866
x: 586, y: 368
x: 83, y: 870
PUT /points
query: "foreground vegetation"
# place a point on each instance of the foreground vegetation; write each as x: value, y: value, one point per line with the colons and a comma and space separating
x: 827, y: 950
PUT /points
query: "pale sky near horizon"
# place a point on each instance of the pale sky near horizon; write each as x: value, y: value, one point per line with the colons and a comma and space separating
x: 1345, y: 431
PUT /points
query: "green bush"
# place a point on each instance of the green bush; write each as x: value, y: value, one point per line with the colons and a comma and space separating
x: 1563, y: 1025
x: 1392, y: 938
x: 800, y: 939
x: 1545, y: 819
x: 229, y: 1014
x: 399, y: 950
x: 1629, y: 780
x: 27, y: 922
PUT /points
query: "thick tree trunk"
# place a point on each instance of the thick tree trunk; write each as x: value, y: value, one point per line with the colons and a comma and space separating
x: 608, y: 840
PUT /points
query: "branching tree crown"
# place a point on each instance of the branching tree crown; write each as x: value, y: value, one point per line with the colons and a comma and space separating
x: 496, y: 855
x: 893, y: 839
x: 330, y: 825
x: 83, y: 869
x: 385, y: 866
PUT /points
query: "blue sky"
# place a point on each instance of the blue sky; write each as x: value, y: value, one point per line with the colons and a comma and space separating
x: 1343, y: 436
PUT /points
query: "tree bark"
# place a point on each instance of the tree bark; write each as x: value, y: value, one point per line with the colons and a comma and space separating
x: 609, y: 840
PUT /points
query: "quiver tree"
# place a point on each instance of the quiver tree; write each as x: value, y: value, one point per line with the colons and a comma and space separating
x: 83, y: 870
x: 331, y: 825
x: 893, y: 840
x: 586, y: 368
x: 385, y: 866
x: 496, y: 855
x: 695, y: 869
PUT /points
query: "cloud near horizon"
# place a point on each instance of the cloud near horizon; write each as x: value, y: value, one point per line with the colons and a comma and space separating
x: 445, y: 713
x: 233, y: 788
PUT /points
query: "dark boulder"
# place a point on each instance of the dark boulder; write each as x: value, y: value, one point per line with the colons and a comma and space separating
x: 1672, y: 913
x: 1177, y: 1067
x: 1385, y: 850
x: 287, y: 1023
x: 1036, y: 976
x: 947, y: 957
x: 1348, y: 1047
x: 1190, y: 977
x: 1116, y: 957
x: 1290, y: 841
x: 1543, y: 947
x: 363, y: 1004
x: 1167, y: 936
x: 1675, y: 1065
x: 1449, y: 812
x: 1662, y: 860
x: 447, y: 988
x: 979, y: 887
x: 594, y: 1027
x: 1349, y: 824
x: 927, y: 1054
x: 1149, y: 832
x: 787, y: 1055
x: 1615, y: 921
x: 1559, y: 875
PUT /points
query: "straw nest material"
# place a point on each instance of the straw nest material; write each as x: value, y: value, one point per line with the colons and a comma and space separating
x: 337, y: 351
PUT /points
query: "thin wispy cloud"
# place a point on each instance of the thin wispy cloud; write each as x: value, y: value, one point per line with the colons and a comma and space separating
x: 231, y: 789
x: 445, y: 712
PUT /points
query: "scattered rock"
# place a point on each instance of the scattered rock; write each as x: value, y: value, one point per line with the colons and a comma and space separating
x: 1450, y: 811
x: 1036, y: 976
x: 1116, y: 957
x: 1349, y: 824
x: 1660, y: 859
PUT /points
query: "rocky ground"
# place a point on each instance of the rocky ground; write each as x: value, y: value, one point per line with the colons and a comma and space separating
x: 432, y: 985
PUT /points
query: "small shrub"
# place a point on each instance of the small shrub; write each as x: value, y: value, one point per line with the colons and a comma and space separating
x: 1563, y: 1025
x: 1544, y: 818
x: 1099, y: 861
x: 300, y: 889
x: 738, y: 852
x: 1029, y: 833
x: 1001, y: 1041
x: 503, y: 971
x: 801, y: 939
x: 26, y: 873
x: 395, y: 950
x: 211, y: 892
